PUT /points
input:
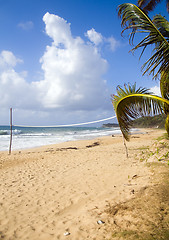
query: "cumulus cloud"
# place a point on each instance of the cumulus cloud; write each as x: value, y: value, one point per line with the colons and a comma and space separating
x: 94, y: 36
x: 26, y: 25
x: 113, y: 43
x: 73, y: 76
x: 58, y: 29
x: 156, y: 90
x: 7, y: 59
x: 14, y: 90
x: 73, y: 70
x: 97, y: 39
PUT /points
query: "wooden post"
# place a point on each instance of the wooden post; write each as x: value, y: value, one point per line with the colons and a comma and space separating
x: 10, y: 145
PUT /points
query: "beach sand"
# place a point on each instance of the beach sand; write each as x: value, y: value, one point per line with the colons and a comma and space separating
x: 61, y: 191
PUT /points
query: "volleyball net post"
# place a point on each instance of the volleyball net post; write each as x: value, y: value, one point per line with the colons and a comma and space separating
x: 10, y: 144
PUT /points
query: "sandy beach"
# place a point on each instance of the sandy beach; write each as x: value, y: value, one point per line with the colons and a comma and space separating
x: 61, y: 191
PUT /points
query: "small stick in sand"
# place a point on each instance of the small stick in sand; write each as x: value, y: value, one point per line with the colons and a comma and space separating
x: 125, y: 147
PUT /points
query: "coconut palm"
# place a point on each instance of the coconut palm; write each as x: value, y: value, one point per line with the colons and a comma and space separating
x: 131, y: 103
x: 149, y: 5
x: 156, y: 32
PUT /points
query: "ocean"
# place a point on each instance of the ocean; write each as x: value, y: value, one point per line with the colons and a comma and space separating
x: 30, y: 137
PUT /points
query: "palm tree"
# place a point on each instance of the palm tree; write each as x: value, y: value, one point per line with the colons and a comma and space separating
x: 149, y: 5
x: 130, y: 103
x: 157, y: 34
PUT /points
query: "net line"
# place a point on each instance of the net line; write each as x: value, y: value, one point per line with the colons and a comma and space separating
x: 66, y: 125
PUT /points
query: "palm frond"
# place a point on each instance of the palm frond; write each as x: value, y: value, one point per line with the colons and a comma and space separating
x: 167, y: 1
x: 130, y: 105
x: 157, y: 33
x: 162, y: 24
x: 164, y: 87
x: 148, y: 5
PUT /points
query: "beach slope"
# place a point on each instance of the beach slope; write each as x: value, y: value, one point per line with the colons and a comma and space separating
x: 61, y: 191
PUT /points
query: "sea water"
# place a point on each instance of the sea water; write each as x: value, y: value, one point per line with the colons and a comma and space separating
x: 29, y: 137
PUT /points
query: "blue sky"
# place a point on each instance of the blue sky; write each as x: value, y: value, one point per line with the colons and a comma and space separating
x: 60, y: 60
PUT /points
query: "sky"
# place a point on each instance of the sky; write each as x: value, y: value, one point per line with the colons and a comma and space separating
x: 61, y: 60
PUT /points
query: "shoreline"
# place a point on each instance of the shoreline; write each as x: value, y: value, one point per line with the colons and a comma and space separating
x: 133, y: 132
x: 27, y: 139
x: 50, y: 190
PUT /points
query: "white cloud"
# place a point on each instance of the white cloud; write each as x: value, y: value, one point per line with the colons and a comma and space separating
x: 14, y: 90
x: 97, y: 39
x: 58, y: 29
x: 73, y: 81
x: 113, y: 43
x: 94, y: 36
x: 26, y: 25
x: 156, y: 90
x: 73, y: 70
x: 7, y: 59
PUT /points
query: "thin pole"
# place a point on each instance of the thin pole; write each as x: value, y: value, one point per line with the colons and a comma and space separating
x: 125, y: 147
x: 10, y: 145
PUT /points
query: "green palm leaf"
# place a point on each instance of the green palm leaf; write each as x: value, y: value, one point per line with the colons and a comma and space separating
x: 149, y: 5
x: 157, y: 33
x: 131, y: 103
x: 164, y: 87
